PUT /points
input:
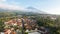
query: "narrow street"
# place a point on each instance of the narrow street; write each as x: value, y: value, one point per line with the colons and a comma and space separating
x: 34, y: 33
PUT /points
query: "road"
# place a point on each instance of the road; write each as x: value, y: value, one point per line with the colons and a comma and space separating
x: 34, y: 33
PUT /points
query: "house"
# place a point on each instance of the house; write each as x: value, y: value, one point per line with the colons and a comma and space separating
x: 28, y: 23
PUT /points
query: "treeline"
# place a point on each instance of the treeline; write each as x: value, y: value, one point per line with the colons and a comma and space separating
x: 52, y: 24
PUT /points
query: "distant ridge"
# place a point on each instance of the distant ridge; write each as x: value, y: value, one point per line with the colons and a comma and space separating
x: 29, y: 10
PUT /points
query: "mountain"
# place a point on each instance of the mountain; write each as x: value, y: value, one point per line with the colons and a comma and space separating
x: 35, y: 10
x: 28, y: 10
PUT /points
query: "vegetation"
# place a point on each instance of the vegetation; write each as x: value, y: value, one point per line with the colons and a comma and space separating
x: 52, y: 25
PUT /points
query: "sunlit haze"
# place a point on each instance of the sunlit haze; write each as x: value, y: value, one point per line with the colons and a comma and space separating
x: 49, y: 6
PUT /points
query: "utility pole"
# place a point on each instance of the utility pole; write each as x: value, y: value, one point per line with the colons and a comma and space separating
x: 22, y: 26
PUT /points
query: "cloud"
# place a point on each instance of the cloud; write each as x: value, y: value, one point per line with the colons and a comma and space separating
x: 54, y: 10
x: 3, y: 0
x: 11, y: 7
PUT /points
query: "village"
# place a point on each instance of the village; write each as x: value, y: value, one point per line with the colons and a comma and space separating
x: 15, y: 26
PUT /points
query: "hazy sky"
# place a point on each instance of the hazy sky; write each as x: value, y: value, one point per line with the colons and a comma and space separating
x: 50, y: 6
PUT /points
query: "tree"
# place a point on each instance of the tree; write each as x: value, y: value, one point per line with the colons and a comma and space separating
x: 1, y: 26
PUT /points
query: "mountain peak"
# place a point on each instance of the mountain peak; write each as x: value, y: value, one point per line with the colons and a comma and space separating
x: 31, y: 8
x: 35, y: 10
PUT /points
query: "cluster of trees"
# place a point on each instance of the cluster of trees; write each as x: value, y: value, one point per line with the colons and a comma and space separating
x: 52, y: 25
